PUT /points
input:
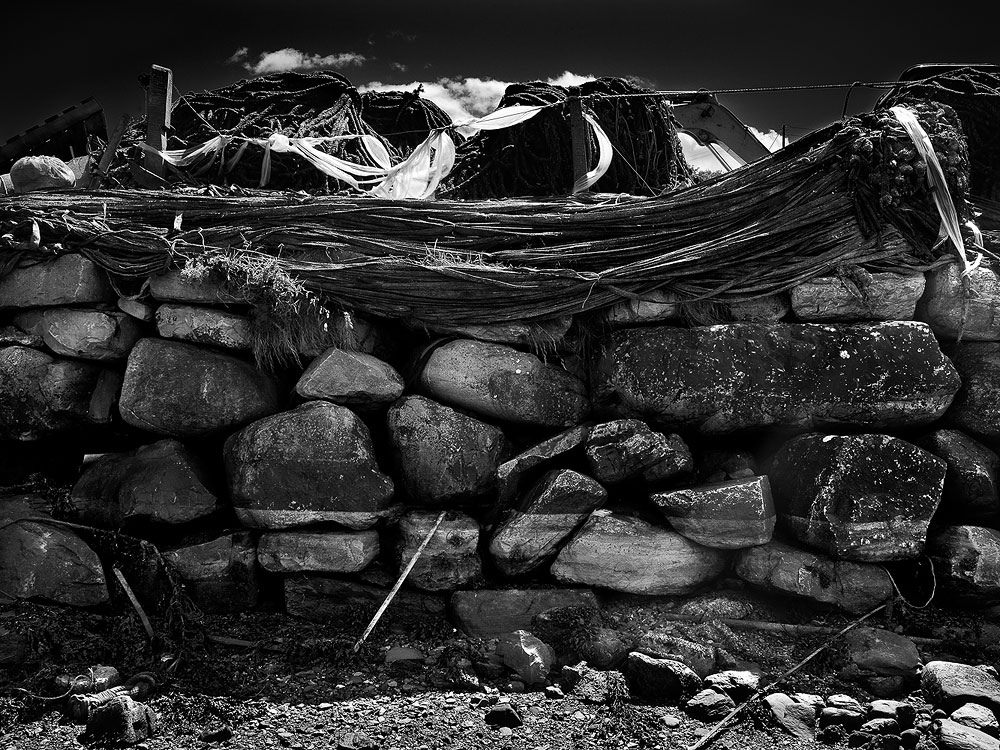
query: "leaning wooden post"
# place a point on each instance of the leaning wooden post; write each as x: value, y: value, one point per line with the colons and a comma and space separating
x: 159, y: 99
x: 578, y: 135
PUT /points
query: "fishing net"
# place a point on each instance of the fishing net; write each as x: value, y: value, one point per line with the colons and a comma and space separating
x: 535, y: 158
x: 320, y: 104
x: 404, y: 118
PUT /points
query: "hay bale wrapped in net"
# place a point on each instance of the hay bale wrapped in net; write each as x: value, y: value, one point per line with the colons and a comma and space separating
x: 404, y: 118
x: 535, y: 158
x: 317, y: 104
x: 974, y: 95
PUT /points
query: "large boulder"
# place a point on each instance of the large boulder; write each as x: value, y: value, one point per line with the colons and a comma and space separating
x: 220, y: 573
x: 182, y: 390
x: 779, y: 567
x: 967, y: 562
x: 717, y: 379
x: 42, y: 395
x: 626, y: 448
x: 976, y: 408
x: 529, y: 535
x: 504, y: 383
x: 949, y: 685
x: 90, y: 334
x: 312, y: 464
x: 971, y: 491
x: 30, y: 173
x: 628, y: 554
x: 451, y: 558
x: 878, y: 296
x: 353, y: 379
x: 317, y: 551
x: 204, y: 325
x: 489, y: 613
x: 46, y: 561
x: 66, y: 280
x: 445, y: 457
x: 159, y: 483
x: 728, y: 515
x: 951, y: 311
x: 857, y: 497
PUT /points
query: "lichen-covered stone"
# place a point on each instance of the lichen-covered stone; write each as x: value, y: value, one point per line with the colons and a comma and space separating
x: 66, y: 280
x: 779, y: 567
x: 42, y: 395
x: 313, y: 464
x: 220, y: 574
x: 89, y: 334
x: 350, y: 378
x: 625, y: 448
x: 451, y: 558
x: 45, y: 561
x: 182, y: 390
x: 879, y: 296
x: 204, y: 325
x: 489, y: 613
x: 628, y: 554
x: 157, y: 483
x: 317, y: 551
x: 868, y: 498
x: 976, y: 407
x: 445, y: 457
x: 946, y: 303
x: 529, y: 535
x: 504, y: 383
x: 718, y: 379
x: 971, y: 484
x: 729, y: 515
x: 967, y: 562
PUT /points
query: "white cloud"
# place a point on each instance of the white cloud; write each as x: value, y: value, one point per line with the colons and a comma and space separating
x: 702, y: 157
x: 289, y: 58
x: 465, y: 98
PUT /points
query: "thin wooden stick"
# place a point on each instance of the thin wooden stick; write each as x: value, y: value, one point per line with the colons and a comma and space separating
x: 399, y: 583
x: 717, y: 729
x: 135, y: 602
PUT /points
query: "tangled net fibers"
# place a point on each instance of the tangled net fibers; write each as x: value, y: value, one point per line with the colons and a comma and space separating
x: 404, y: 118
x: 318, y: 104
x: 535, y: 158
x: 839, y: 199
x: 975, y: 97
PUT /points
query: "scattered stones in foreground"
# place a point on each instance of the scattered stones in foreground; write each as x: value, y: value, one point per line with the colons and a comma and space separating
x: 709, y: 705
x: 664, y: 681
x: 949, y: 685
x: 729, y: 515
x: 868, y: 498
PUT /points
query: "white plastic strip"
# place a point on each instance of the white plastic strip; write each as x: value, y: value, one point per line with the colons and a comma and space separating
x: 604, y: 154
x: 939, y: 187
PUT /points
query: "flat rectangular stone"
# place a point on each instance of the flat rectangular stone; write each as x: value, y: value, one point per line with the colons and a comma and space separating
x: 68, y: 280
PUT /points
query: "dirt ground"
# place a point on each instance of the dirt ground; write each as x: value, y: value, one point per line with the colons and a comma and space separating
x: 285, y: 683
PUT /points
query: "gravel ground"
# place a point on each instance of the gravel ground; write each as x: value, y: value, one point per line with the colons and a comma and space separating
x: 300, y: 687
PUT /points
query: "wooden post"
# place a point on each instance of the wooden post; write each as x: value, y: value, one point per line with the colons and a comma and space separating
x: 159, y: 99
x: 578, y: 135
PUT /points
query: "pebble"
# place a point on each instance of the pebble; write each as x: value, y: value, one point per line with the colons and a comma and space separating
x: 506, y: 731
x: 669, y: 720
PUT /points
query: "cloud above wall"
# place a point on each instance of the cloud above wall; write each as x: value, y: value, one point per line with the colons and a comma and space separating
x: 289, y: 58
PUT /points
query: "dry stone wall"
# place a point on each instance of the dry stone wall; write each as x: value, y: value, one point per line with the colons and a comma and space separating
x: 798, y: 447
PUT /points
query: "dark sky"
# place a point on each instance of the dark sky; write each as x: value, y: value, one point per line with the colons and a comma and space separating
x: 57, y: 53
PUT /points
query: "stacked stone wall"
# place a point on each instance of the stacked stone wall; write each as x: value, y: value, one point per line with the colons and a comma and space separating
x: 800, y: 447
